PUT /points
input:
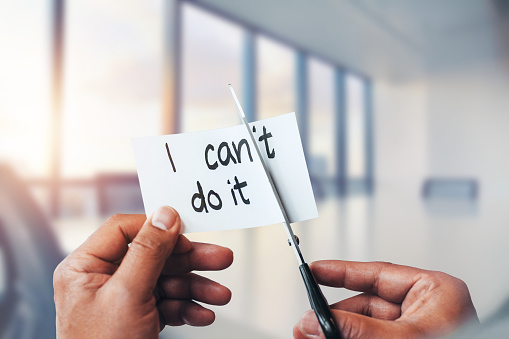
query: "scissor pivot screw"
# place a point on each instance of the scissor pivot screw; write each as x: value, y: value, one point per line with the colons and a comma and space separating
x: 296, y: 238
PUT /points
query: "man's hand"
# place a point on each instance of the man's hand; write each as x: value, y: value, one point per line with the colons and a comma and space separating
x: 108, y: 289
x: 397, y: 301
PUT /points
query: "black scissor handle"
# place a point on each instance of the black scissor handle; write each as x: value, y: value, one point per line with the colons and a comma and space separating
x: 319, y: 304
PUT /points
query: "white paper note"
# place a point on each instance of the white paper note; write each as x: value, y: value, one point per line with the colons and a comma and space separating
x: 215, y: 180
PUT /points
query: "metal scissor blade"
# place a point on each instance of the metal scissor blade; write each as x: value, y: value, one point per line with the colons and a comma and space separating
x: 291, y: 237
x: 316, y: 298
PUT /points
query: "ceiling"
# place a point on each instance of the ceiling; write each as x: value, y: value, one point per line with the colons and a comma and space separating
x: 394, y: 39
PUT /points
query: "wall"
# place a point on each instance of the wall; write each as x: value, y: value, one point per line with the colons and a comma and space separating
x: 401, y: 134
x: 468, y: 112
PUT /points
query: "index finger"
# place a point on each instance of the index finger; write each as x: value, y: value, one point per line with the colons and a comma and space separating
x: 110, y: 242
x: 389, y: 281
x: 201, y: 257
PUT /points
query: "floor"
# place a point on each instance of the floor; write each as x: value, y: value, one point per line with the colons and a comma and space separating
x: 466, y: 239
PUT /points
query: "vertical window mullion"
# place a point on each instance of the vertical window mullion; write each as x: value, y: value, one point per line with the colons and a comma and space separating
x: 341, y: 137
x: 368, y: 135
x: 249, y: 73
x: 171, y: 119
x: 58, y: 22
x: 301, y: 98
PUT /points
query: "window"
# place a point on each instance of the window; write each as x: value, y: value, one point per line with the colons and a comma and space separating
x: 211, y: 59
x: 216, y: 50
x: 25, y: 73
x: 275, y: 78
x: 113, y: 83
x: 355, y: 130
x: 321, y: 119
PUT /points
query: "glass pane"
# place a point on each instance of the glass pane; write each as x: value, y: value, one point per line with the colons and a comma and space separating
x: 321, y: 119
x: 211, y: 59
x: 113, y: 83
x: 25, y: 85
x: 276, y: 83
x: 355, y: 127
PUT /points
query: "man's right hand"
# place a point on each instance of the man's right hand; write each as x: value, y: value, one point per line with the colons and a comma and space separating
x: 397, y: 301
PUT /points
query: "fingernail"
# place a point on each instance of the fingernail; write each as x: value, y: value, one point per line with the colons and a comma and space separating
x: 164, y: 217
x: 309, y: 325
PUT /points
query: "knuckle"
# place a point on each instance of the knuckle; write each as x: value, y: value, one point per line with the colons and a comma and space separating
x: 60, y: 276
x: 144, y: 245
x: 350, y: 328
x: 460, y: 284
x: 430, y: 280
x: 63, y: 281
x: 445, y: 278
x: 381, y: 266
x: 115, y: 218
x: 457, y: 283
x: 429, y: 276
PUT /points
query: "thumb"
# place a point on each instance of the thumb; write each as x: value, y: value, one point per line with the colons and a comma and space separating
x: 350, y: 325
x: 153, y: 244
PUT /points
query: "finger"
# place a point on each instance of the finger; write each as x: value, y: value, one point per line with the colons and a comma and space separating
x: 180, y: 312
x: 182, y: 246
x: 143, y: 262
x: 389, y: 281
x: 110, y: 242
x: 353, y: 326
x: 202, y: 257
x: 193, y: 286
x: 109, y: 264
x: 370, y: 305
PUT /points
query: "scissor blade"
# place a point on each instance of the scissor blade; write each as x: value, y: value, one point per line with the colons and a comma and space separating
x: 288, y: 227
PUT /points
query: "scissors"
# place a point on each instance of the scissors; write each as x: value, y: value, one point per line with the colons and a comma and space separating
x: 316, y: 299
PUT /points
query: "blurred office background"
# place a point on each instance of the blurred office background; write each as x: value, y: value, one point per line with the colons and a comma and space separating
x: 402, y: 108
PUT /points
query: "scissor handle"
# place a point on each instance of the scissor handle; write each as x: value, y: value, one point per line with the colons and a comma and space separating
x: 319, y: 304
